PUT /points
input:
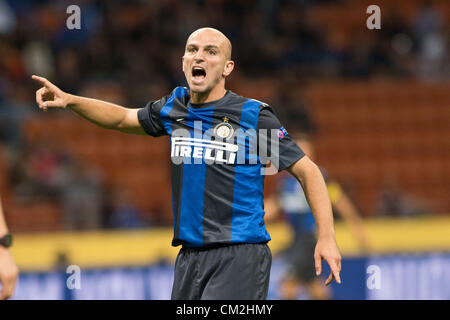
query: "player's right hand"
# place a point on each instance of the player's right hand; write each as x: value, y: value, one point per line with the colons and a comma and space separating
x: 49, y: 96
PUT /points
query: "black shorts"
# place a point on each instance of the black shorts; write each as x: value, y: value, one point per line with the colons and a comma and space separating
x: 301, y: 264
x: 232, y: 272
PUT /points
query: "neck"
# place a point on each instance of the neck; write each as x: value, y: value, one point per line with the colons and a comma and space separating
x: 205, y: 97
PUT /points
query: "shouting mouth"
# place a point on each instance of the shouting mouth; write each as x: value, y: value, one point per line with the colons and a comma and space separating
x: 198, y: 75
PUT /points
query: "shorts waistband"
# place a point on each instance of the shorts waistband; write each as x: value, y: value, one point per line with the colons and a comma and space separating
x: 216, y: 246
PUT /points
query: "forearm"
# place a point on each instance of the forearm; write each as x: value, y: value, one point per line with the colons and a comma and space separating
x: 104, y: 114
x: 318, y: 199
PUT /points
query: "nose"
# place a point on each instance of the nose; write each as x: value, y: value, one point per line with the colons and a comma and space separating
x: 199, y: 56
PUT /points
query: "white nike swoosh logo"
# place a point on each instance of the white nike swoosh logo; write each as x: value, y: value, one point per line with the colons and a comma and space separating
x: 178, y: 120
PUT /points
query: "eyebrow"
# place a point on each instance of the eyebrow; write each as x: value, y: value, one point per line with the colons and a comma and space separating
x: 209, y: 46
x: 212, y: 47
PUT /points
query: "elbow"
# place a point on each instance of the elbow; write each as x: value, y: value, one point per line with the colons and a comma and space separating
x: 120, y: 126
x: 305, y: 169
x: 128, y: 121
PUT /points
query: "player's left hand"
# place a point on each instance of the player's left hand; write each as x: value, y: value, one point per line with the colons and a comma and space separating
x: 8, y: 273
x: 327, y: 249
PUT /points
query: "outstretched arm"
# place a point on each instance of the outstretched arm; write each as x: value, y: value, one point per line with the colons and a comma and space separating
x: 8, y: 268
x: 104, y: 114
x: 313, y: 184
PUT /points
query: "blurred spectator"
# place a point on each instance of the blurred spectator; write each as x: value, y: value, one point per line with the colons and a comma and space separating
x: 7, y: 18
x: 432, y: 43
x: 428, y: 21
x: 44, y: 172
x: 81, y: 197
x: 40, y: 171
x: 292, y: 109
x: 14, y: 110
x: 392, y: 201
x: 124, y: 214
x: 136, y: 43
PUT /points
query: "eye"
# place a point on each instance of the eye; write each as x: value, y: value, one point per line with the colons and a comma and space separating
x: 212, y: 52
x: 191, y: 49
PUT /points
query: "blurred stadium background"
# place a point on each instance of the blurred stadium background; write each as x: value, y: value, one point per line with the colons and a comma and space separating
x: 377, y: 103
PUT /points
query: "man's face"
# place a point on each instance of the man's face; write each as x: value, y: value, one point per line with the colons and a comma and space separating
x: 205, y: 60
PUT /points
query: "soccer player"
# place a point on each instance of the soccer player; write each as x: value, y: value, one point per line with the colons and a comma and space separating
x: 8, y: 268
x: 217, y: 194
x: 290, y: 199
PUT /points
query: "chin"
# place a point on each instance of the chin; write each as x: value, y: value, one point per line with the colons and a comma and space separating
x: 198, y: 89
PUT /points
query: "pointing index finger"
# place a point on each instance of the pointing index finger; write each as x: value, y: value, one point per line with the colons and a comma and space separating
x: 42, y: 81
x: 39, y: 79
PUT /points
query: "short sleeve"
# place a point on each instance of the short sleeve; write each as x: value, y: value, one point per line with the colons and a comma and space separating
x: 288, y: 150
x: 150, y: 119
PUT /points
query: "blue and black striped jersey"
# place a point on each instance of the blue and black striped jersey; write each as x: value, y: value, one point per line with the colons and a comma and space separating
x: 218, y: 164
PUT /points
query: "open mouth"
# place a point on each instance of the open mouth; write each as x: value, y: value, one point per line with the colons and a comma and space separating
x: 198, y: 73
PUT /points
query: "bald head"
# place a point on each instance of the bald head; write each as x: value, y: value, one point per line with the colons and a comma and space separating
x: 207, y: 62
x: 215, y: 34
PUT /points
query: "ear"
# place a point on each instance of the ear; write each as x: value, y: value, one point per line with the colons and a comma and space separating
x: 229, y: 66
x: 182, y: 63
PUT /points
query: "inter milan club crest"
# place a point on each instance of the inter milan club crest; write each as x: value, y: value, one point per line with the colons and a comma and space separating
x: 224, y: 129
